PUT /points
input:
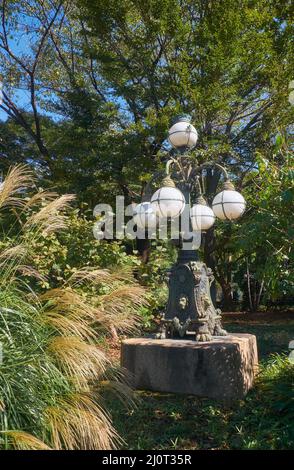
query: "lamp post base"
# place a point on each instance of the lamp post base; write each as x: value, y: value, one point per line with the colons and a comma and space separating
x: 222, y: 369
x: 190, y: 307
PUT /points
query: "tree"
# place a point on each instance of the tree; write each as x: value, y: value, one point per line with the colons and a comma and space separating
x: 58, y: 119
x: 226, y: 63
x: 116, y: 77
x: 22, y: 68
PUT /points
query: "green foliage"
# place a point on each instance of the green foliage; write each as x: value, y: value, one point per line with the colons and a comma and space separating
x: 99, y: 88
x: 58, y: 256
x: 266, y: 235
x: 260, y: 243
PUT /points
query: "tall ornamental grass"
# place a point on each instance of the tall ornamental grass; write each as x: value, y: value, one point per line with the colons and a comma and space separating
x: 51, y: 368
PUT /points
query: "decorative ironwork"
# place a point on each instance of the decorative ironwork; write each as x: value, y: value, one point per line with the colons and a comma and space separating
x: 190, y: 309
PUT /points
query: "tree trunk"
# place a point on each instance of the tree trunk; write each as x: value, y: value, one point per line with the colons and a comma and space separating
x: 259, y: 294
x: 228, y: 304
x: 249, y: 287
x: 143, y: 247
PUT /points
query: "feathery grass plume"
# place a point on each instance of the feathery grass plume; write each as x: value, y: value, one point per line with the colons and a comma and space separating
x: 21, y: 440
x: 41, y: 197
x: 68, y: 301
x: 74, y: 421
x: 118, y: 382
x: 19, y: 178
x: 30, y: 272
x: 12, y: 253
x: 69, y: 313
x: 79, y: 360
x: 97, y: 276
x: 51, y: 217
x: 67, y: 325
x: 120, y: 308
x: 89, y: 275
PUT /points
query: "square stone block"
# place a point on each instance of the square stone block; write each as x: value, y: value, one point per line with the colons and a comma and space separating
x: 223, y: 368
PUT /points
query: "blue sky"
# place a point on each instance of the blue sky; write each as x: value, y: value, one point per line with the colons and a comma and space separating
x: 20, y: 43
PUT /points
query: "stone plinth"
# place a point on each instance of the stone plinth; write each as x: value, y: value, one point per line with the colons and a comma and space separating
x: 223, y: 368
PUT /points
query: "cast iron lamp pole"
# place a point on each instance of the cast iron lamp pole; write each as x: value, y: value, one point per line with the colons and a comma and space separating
x: 189, y: 308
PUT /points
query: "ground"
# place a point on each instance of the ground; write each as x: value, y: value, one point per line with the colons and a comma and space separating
x: 264, y: 420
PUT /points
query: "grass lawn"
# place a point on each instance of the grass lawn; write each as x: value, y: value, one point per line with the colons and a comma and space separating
x: 264, y: 420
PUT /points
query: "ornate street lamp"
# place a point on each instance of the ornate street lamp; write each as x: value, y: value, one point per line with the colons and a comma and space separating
x: 189, y: 307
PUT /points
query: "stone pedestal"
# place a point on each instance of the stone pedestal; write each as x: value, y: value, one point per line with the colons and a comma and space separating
x: 223, y: 368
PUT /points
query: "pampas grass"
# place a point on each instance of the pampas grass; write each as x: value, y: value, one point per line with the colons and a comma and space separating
x: 50, y: 217
x: 18, y: 179
x: 52, y: 367
x: 23, y: 441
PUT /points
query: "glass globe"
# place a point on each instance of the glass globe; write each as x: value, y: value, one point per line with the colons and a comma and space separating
x: 202, y: 217
x: 144, y: 215
x: 228, y: 204
x: 183, y: 134
x: 168, y: 202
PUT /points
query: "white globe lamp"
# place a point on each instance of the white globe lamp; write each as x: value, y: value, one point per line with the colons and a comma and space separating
x: 182, y: 134
x: 168, y: 201
x: 202, y: 217
x: 228, y: 204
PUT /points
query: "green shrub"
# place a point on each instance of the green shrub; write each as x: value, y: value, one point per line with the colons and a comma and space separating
x: 264, y: 420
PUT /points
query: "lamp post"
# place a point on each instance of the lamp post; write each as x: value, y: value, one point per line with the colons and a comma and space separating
x: 189, y: 307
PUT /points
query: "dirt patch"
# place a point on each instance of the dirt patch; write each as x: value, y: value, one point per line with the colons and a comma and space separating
x: 113, y: 351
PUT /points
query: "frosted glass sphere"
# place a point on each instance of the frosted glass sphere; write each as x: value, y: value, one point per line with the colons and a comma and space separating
x: 183, y: 134
x: 168, y: 202
x: 144, y: 215
x: 202, y: 217
x: 228, y: 204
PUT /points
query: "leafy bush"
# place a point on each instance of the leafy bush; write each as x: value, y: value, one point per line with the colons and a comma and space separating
x: 265, y: 418
x: 266, y: 236
x: 57, y: 255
